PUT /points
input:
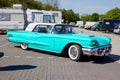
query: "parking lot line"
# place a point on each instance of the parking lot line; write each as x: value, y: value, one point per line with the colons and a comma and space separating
x: 40, y: 57
x: 50, y: 57
x: 61, y: 58
x: 28, y: 56
x: 17, y: 56
x: 4, y: 45
x: 6, y: 56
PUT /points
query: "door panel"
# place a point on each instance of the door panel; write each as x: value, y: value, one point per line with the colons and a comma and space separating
x: 43, y: 41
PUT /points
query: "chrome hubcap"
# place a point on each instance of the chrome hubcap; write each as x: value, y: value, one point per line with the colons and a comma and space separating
x: 24, y: 46
x: 73, y: 52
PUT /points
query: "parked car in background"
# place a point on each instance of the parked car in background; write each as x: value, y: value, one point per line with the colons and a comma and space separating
x: 60, y: 38
x: 88, y: 25
x: 72, y: 23
x: 97, y: 26
x: 105, y: 25
x: 117, y: 29
x: 80, y: 24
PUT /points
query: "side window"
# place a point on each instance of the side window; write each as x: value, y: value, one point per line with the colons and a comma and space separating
x: 63, y: 29
x: 58, y: 29
x: 67, y: 29
x: 4, y: 17
x: 46, y: 19
x: 41, y: 29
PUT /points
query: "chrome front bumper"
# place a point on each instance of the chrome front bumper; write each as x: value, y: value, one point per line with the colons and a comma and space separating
x: 100, y: 51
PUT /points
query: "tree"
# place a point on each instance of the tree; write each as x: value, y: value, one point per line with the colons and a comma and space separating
x: 85, y: 18
x: 5, y: 3
x: 32, y: 4
x: 54, y: 4
x: 69, y: 16
x: 48, y: 7
x: 94, y: 17
x: 113, y: 14
x: 26, y: 3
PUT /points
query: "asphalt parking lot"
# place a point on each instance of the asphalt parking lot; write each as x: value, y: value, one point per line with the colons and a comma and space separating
x: 18, y: 64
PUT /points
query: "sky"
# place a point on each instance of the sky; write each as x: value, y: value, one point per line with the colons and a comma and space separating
x: 89, y: 6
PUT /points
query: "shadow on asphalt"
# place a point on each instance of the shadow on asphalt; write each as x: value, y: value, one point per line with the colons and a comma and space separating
x: 1, y: 54
x: 45, y: 52
x: 102, y: 60
x: 3, y: 34
x: 16, y: 67
x: 97, y: 60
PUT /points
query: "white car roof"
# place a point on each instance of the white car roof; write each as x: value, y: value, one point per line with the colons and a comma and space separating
x: 31, y: 26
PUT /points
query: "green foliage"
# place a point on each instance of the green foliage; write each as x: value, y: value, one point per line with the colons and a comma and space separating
x: 113, y: 14
x: 69, y: 16
x: 85, y: 18
x: 5, y: 3
x: 49, y: 7
x: 93, y: 17
x: 32, y: 4
x: 51, y: 4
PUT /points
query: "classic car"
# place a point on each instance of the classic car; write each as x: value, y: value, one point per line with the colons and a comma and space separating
x: 60, y: 38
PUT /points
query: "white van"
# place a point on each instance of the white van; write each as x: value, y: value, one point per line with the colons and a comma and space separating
x: 89, y: 24
x: 80, y: 23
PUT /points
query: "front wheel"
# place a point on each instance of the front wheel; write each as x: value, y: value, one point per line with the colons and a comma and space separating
x: 24, y: 46
x: 75, y: 52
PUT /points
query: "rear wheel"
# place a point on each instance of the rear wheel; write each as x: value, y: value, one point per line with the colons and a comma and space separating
x: 75, y: 52
x: 24, y: 46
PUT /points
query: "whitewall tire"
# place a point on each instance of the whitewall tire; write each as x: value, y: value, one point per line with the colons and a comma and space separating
x: 75, y: 52
x: 24, y: 46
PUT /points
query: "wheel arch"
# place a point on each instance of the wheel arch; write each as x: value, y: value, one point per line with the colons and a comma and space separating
x: 65, y: 49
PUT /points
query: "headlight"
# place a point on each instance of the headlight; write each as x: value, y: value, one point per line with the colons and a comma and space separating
x: 93, y: 43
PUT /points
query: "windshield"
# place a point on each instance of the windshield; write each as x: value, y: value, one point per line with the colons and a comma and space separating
x: 63, y: 29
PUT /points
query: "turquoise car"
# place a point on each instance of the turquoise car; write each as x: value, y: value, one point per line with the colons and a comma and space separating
x: 60, y: 38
